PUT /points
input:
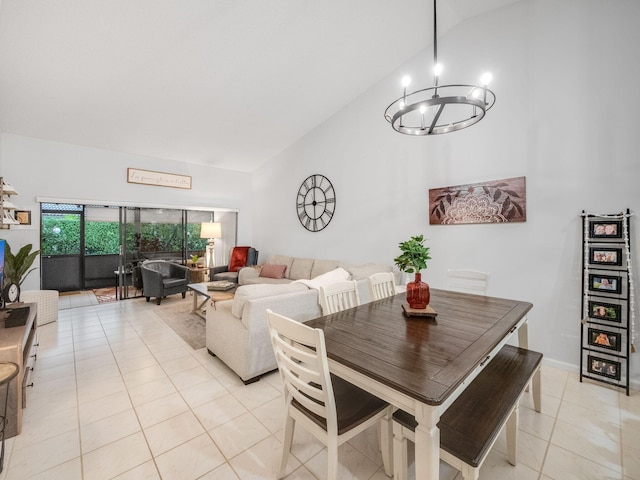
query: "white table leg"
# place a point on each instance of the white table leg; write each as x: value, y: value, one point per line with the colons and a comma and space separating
x: 523, y: 335
x: 427, y: 442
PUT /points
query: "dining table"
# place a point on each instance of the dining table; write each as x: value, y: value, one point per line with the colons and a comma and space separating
x: 421, y: 364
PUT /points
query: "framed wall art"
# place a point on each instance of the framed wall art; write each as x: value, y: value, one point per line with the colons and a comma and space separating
x: 496, y: 201
x: 605, y: 283
x: 604, y: 339
x: 607, y: 256
x: 604, y: 367
x: 605, y: 311
x: 608, y: 319
x: 158, y: 179
x: 603, y: 229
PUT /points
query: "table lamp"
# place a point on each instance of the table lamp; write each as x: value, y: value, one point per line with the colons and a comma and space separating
x: 210, y: 230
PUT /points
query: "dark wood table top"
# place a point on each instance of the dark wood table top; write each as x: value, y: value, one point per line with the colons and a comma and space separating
x: 423, y: 359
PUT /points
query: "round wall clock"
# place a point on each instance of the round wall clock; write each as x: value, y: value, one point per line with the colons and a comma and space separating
x: 316, y: 202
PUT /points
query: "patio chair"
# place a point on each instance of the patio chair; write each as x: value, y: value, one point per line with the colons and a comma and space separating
x: 161, y: 278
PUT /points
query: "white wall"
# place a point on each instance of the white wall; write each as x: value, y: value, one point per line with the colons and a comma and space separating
x: 39, y: 168
x: 565, y: 118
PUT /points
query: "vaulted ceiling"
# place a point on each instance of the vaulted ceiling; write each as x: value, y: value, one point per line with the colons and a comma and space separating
x: 228, y: 83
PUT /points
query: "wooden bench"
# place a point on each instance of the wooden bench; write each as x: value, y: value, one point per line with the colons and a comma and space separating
x: 471, y: 425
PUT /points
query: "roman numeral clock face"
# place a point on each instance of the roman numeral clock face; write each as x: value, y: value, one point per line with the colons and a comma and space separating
x: 316, y: 202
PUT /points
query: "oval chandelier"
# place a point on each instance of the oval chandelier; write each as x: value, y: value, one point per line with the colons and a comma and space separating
x: 423, y: 111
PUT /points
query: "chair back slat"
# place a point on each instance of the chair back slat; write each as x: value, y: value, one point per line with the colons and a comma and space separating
x: 339, y: 296
x: 382, y: 285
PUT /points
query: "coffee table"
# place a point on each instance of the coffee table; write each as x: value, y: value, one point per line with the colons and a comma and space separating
x: 201, y: 290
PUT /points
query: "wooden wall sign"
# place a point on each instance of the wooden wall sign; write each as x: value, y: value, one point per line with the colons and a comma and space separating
x: 158, y: 179
x: 497, y: 201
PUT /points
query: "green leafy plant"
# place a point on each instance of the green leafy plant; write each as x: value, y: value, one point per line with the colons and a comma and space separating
x: 16, y: 267
x: 414, y: 255
x: 194, y: 258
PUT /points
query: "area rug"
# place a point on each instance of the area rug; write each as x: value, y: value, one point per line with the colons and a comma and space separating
x: 105, y: 295
x: 190, y: 327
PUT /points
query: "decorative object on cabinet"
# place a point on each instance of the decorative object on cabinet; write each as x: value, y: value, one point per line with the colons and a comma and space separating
x: 17, y: 267
x: 607, y: 335
x: 496, y: 201
x: 316, y: 202
x: 7, y: 208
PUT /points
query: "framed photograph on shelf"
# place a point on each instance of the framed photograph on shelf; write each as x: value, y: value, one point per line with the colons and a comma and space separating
x: 603, y: 229
x: 605, y: 311
x: 604, y: 367
x: 604, y: 339
x: 604, y: 283
x: 606, y: 256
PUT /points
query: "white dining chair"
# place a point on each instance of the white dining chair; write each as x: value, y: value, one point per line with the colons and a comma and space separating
x: 339, y: 296
x: 330, y: 408
x: 382, y: 285
x: 468, y: 281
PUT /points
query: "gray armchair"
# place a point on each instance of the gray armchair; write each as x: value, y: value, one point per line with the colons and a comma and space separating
x: 161, y: 278
x: 239, y: 257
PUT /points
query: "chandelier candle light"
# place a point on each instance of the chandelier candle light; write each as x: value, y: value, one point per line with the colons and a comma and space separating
x: 210, y: 230
x: 423, y: 111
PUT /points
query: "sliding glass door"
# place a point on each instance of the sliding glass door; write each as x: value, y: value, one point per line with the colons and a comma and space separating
x: 90, y: 246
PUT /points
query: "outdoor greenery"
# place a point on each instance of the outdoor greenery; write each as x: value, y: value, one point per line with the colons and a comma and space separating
x: 61, y: 236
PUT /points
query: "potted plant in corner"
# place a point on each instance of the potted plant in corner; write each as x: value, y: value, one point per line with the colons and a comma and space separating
x: 413, y: 260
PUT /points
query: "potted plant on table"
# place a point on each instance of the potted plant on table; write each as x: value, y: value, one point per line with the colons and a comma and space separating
x: 413, y: 260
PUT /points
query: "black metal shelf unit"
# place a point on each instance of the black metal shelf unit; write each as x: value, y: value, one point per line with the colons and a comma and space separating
x: 607, y: 299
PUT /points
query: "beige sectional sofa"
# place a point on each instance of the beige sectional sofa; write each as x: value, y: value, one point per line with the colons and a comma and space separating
x: 296, y: 269
x: 237, y: 329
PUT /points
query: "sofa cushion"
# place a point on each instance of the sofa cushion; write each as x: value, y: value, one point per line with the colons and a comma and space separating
x: 280, y: 260
x: 323, y: 266
x: 273, y: 271
x: 334, y: 276
x: 249, y: 292
x: 300, y: 268
x: 359, y: 272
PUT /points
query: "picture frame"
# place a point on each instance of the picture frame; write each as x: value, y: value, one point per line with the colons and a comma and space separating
x: 605, y: 311
x: 605, y: 228
x: 604, y: 367
x: 606, y: 339
x: 23, y: 217
x: 604, y: 283
x: 610, y: 256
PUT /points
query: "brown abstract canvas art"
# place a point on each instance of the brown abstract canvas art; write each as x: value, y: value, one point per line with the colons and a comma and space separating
x: 497, y: 201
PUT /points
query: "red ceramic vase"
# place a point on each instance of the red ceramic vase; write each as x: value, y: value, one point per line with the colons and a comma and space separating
x: 418, y: 294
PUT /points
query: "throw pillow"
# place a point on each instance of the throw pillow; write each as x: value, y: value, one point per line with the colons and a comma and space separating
x: 273, y: 271
x: 238, y: 258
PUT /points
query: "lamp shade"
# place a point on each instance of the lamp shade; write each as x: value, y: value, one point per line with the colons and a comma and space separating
x: 211, y: 230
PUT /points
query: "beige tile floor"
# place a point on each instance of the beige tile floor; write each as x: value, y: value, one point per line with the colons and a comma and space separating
x: 117, y: 394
